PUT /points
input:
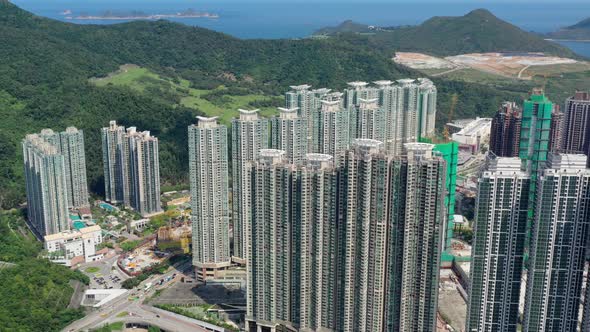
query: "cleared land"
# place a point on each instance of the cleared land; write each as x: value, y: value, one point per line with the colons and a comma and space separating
x: 224, y: 105
x: 522, y: 66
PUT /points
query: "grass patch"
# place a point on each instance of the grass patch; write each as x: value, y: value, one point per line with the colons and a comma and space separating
x: 116, y: 326
x: 130, y: 245
x: 122, y: 314
x: 92, y: 269
x: 225, y: 105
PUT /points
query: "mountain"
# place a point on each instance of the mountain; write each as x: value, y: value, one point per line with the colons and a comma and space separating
x: 47, y: 65
x: 476, y: 32
x: 578, y: 31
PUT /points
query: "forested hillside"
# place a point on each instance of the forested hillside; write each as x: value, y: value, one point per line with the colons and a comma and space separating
x: 46, y: 66
x: 476, y: 32
x: 35, y: 292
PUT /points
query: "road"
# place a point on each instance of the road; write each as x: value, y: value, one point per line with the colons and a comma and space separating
x: 138, y: 311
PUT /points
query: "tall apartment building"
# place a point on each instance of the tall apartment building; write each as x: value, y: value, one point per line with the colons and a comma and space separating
x: 369, y: 121
x: 498, y: 249
x: 116, y: 165
x: 144, y: 172
x: 46, y: 186
x: 427, y: 107
x: 289, y: 133
x: 558, y: 245
x: 505, y: 132
x: 556, y: 129
x: 272, y: 254
x: 70, y: 144
x: 414, y: 241
x: 321, y: 241
x: 131, y: 168
x: 393, y: 233
x: 208, y: 166
x: 332, y: 130
x: 366, y: 168
x: 576, y: 127
x: 249, y: 135
x: 308, y: 103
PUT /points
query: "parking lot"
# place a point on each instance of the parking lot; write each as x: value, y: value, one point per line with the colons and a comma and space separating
x: 104, y: 274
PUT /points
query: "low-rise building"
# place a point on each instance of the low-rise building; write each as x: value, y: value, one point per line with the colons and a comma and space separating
x: 474, y: 134
x: 65, y: 246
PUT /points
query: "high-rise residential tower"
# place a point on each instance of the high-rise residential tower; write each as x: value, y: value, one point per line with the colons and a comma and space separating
x: 321, y: 242
x: 505, y: 131
x: 131, y: 168
x: 249, y: 136
x: 556, y: 129
x: 576, y: 127
x: 272, y: 251
x: 370, y: 120
x: 71, y: 146
x: 46, y: 186
x: 558, y: 245
x: 332, y: 133
x: 308, y: 103
x: 498, y: 249
x: 116, y: 164
x: 427, y: 97
x: 208, y: 166
x: 393, y: 232
x: 144, y: 172
x: 414, y: 241
x: 289, y: 133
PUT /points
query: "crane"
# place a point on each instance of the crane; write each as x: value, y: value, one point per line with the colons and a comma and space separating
x: 454, y: 100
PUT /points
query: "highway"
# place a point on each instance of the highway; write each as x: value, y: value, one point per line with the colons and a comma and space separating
x: 138, y: 312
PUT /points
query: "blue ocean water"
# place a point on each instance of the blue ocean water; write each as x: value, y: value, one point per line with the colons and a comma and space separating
x: 299, y: 18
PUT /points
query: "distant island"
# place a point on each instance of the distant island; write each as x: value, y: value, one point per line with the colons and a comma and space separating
x: 577, y: 32
x: 136, y: 15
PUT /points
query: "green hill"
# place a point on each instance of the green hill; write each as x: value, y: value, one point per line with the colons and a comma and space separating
x: 578, y: 31
x: 47, y: 71
x: 475, y: 32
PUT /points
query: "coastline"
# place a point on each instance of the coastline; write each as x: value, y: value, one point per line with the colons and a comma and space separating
x: 569, y: 40
x: 147, y: 17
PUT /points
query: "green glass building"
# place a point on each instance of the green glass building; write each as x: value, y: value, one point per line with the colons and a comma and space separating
x: 450, y: 153
x: 534, y: 138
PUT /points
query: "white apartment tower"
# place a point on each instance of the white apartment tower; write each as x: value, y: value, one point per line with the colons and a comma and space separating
x: 320, y: 244
x: 272, y: 250
x: 144, y: 172
x: 131, y: 168
x: 332, y: 134
x: 498, y: 249
x: 46, y: 186
x: 116, y: 164
x: 289, y: 133
x: 249, y: 136
x: 558, y: 245
x: 208, y: 166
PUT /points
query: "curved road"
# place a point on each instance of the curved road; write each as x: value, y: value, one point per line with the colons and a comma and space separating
x: 138, y: 312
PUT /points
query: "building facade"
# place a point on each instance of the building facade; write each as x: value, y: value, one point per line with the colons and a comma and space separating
x: 208, y: 167
x: 558, y: 245
x: 576, y: 127
x: 332, y: 130
x: 505, y: 131
x: 46, y: 186
x: 289, y: 134
x: 144, y: 172
x: 116, y: 164
x: 249, y: 136
x: 272, y: 254
x: 131, y: 168
x: 498, y: 249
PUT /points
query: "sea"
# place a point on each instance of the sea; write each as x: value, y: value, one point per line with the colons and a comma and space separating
x: 266, y: 19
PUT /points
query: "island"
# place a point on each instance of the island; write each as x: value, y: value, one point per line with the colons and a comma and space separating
x: 136, y: 15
